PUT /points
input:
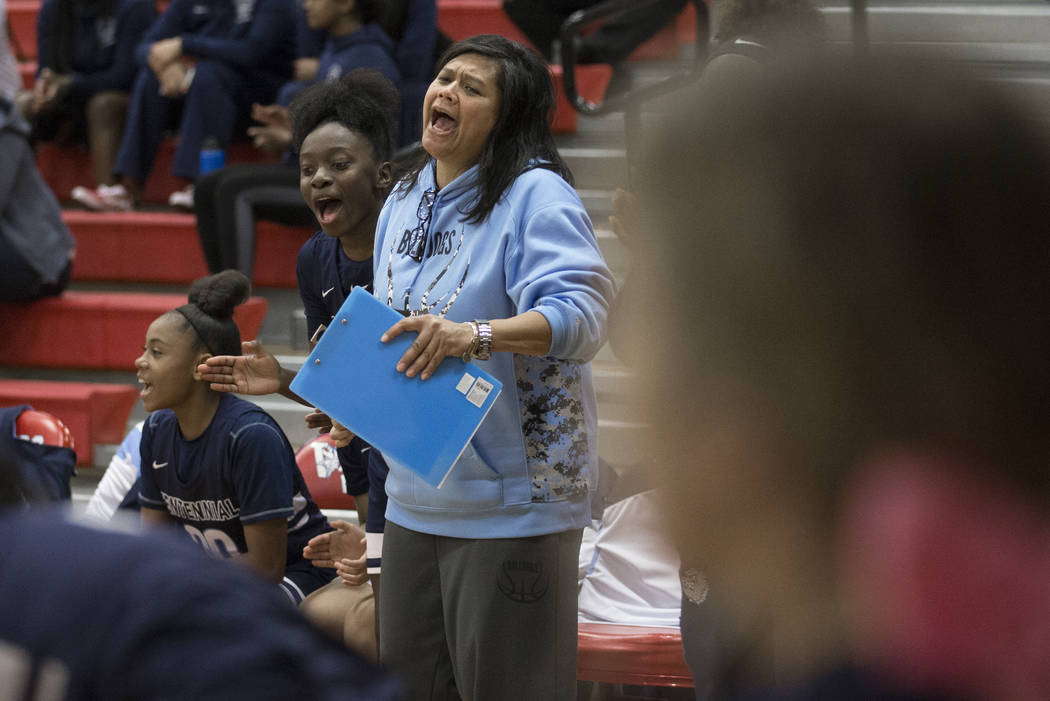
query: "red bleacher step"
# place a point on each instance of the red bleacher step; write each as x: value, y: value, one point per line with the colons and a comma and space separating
x: 163, y: 247
x: 95, y: 330
x: 96, y: 413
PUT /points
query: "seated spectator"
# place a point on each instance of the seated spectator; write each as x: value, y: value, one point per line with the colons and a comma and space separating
x: 222, y: 471
x: 36, y: 248
x: 85, y: 67
x: 203, y: 64
x: 231, y: 198
x: 628, y: 569
x: 354, y: 40
x: 847, y: 377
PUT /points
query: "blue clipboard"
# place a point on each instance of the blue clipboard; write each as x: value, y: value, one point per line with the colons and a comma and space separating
x: 424, y: 425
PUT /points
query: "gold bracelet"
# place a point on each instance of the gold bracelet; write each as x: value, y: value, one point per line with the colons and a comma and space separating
x: 474, y: 343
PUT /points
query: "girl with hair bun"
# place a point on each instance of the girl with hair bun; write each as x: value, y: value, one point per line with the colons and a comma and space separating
x: 214, y: 464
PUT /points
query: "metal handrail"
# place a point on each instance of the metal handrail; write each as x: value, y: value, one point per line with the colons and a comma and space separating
x: 580, y: 19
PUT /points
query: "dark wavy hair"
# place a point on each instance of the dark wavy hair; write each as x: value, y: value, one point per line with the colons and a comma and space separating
x: 521, y: 138
x: 209, y: 313
x: 363, y: 101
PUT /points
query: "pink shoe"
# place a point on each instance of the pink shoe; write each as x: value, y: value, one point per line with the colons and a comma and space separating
x: 182, y: 199
x: 104, y: 198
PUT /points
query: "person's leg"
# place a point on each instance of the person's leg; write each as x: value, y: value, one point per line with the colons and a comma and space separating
x: 510, y: 608
x: 346, y: 614
x: 206, y: 205
x: 236, y: 199
x: 105, y: 112
x: 412, y: 642
x: 239, y: 244
x: 210, y: 111
x: 148, y: 116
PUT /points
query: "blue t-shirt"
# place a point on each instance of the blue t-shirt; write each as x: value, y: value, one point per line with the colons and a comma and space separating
x: 153, y: 618
x: 239, y: 471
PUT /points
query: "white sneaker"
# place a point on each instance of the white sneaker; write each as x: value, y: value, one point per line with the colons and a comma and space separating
x: 182, y: 199
x: 104, y: 198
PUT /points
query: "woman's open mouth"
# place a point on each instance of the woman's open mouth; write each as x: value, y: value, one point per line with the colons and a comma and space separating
x: 441, y: 122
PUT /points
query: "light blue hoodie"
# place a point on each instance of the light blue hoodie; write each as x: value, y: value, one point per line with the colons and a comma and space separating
x: 530, y: 466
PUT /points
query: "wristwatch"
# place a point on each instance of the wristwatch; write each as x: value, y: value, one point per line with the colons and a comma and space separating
x: 480, y: 347
x: 484, y: 349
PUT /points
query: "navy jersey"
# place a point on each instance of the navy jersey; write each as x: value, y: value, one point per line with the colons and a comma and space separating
x: 239, y: 471
x: 326, y: 276
x: 90, y: 614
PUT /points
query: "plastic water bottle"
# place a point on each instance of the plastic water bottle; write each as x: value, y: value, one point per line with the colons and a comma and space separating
x: 212, y: 156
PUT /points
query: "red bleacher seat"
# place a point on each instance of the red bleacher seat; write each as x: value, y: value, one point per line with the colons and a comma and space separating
x: 96, y: 330
x: 319, y: 464
x: 21, y: 19
x: 113, y: 246
x: 639, y: 655
x: 65, y: 168
x: 95, y: 412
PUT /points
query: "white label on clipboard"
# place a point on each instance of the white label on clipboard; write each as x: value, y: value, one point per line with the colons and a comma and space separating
x: 465, y: 382
x: 479, y: 392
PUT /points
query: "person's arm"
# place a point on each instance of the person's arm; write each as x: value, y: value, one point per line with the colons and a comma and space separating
x: 269, y: 27
x: 152, y: 517
x: 255, y: 372
x: 131, y: 26
x: 439, y: 338
x: 169, y: 24
x: 262, y: 467
x: 267, y: 543
x: 557, y: 269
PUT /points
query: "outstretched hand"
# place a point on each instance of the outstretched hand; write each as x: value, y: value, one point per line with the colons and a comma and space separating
x: 255, y: 372
x: 343, y: 549
x: 437, y: 339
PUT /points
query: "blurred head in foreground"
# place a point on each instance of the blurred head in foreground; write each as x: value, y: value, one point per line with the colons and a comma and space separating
x: 850, y: 388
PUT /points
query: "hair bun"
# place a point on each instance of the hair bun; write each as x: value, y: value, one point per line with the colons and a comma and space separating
x: 217, y: 295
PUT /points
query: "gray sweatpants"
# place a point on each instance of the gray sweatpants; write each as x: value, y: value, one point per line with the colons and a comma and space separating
x: 480, y: 619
